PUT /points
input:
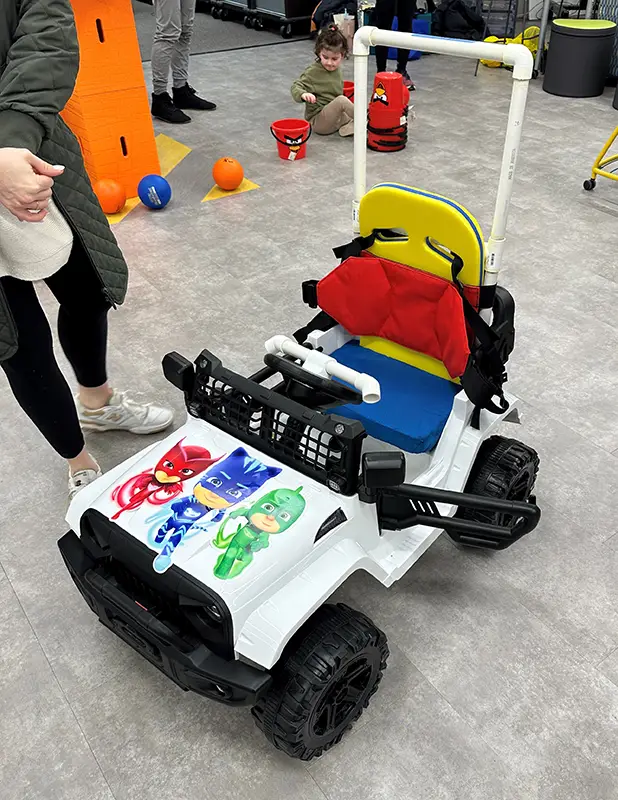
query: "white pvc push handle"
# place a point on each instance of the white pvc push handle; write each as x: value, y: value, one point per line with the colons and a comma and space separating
x: 325, y: 366
x: 516, y: 55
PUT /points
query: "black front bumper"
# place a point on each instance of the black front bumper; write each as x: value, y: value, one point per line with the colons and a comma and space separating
x: 166, y: 635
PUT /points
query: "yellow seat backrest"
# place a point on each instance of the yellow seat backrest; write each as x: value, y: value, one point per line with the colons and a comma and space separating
x: 432, y: 228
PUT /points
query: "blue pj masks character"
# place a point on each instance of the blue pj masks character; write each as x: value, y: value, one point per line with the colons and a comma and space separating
x: 229, y: 481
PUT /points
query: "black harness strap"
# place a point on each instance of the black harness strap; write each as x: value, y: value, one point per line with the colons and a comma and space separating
x: 485, y: 373
x: 321, y: 322
x: 355, y: 247
x: 487, y: 295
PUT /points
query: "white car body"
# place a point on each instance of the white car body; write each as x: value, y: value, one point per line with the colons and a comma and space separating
x: 294, y: 575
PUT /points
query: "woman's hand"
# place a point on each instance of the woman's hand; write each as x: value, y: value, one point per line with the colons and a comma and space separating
x: 309, y: 98
x: 26, y: 183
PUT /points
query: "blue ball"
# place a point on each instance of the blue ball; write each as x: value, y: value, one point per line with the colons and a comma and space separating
x: 154, y: 191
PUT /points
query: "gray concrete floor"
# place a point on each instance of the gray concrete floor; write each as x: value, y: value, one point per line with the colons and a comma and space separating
x: 504, y: 673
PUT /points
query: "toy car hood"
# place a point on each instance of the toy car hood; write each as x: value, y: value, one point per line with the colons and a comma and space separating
x: 302, y: 509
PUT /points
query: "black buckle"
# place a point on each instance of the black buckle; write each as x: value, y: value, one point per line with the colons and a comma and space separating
x: 310, y: 293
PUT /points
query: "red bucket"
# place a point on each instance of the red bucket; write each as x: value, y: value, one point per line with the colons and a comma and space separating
x: 348, y: 90
x: 291, y: 136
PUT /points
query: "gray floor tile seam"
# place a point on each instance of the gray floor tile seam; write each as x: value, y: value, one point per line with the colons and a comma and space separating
x: 612, y: 536
x: 556, y: 631
x: 7, y: 510
x: 77, y: 722
x: 470, y: 724
x: 465, y: 720
x: 602, y: 661
x: 57, y: 681
x: 563, y: 421
x: 316, y: 784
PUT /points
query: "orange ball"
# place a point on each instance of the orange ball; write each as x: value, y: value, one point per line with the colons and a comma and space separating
x: 228, y: 174
x: 111, y: 195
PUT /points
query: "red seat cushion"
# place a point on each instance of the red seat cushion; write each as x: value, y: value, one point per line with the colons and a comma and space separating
x: 371, y: 296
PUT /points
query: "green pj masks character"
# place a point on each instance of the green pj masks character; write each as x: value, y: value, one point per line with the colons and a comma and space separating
x: 275, y: 512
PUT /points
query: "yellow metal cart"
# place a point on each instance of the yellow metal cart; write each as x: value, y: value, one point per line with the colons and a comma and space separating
x: 603, y: 160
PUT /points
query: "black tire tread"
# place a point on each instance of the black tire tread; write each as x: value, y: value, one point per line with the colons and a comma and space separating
x: 315, y: 654
x: 499, y: 460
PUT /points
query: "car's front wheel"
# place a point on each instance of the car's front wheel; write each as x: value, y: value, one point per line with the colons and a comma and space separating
x: 323, y: 682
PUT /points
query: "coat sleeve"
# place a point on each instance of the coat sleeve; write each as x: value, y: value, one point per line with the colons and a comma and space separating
x: 301, y: 85
x: 40, y: 73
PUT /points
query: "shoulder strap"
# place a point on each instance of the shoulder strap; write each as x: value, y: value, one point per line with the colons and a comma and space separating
x: 355, y: 247
x: 485, y: 373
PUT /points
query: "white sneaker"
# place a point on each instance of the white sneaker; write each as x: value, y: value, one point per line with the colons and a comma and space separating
x: 79, y: 480
x: 124, y: 414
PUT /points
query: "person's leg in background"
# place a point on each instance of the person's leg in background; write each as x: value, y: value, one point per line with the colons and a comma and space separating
x: 338, y: 115
x: 184, y: 96
x: 385, y: 11
x: 164, y: 46
x: 405, y: 11
x: 40, y: 387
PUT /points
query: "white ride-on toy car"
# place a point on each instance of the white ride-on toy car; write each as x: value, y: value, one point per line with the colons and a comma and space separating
x: 359, y: 442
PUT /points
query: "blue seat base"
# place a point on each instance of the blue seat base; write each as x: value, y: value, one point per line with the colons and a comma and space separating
x: 414, y: 404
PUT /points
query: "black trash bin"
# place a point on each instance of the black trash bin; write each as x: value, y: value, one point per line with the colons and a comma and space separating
x: 578, y: 57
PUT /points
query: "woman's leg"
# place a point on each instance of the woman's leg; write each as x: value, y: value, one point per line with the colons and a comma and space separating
x: 384, y: 14
x: 82, y: 329
x: 82, y: 326
x: 335, y: 115
x: 36, y: 380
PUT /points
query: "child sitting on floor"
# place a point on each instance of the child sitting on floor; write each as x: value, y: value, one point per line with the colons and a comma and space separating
x: 320, y: 86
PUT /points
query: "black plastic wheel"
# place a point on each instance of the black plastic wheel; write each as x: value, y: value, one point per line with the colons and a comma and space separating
x: 224, y: 13
x: 215, y: 12
x: 506, y: 469
x: 286, y: 31
x: 247, y: 21
x: 589, y: 184
x: 258, y: 25
x: 323, y: 682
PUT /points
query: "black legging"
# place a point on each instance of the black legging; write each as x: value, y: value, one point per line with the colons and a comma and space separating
x: 33, y: 373
x: 385, y: 12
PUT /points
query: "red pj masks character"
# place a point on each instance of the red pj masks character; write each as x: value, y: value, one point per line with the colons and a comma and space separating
x: 166, y: 480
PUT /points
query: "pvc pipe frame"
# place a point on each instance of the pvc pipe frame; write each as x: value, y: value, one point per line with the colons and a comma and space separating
x: 516, y: 55
x: 326, y: 366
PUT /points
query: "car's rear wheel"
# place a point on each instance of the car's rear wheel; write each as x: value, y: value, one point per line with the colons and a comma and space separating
x: 323, y: 682
x: 504, y: 469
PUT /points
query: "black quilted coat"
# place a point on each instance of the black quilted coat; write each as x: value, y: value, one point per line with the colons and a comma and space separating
x: 39, y: 59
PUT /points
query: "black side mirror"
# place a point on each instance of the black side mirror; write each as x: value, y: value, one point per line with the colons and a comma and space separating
x: 179, y: 371
x: 382, y: 470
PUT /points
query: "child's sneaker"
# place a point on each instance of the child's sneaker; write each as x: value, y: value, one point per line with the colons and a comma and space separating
x: 407, y: 80
x: 347, y: 129
x: 123, y: 414
x: 79, y: 480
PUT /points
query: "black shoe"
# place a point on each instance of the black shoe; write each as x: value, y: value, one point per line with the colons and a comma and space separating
x: 163, y: 108
x: 187, y: 97
x: 407, y: 81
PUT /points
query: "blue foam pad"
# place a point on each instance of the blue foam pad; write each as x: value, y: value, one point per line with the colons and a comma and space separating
x: 414, y: 404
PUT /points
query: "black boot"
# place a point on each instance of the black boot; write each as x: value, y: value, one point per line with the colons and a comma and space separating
x: 163, y: 108
x: 187, y: 97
